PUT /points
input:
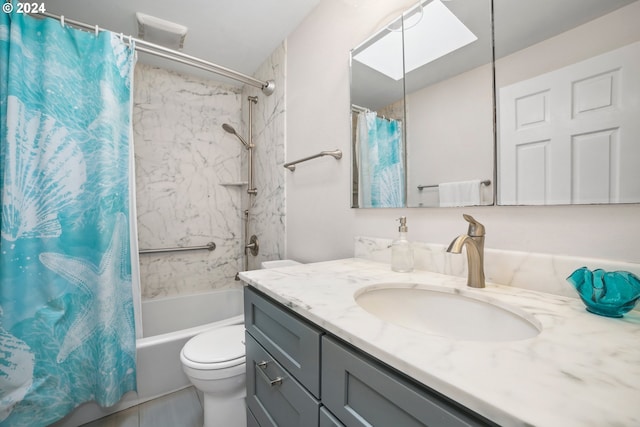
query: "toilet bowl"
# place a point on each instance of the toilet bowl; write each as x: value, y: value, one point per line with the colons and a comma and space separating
x: 214, y: 362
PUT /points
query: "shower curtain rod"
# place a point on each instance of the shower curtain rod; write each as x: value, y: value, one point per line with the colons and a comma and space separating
x: 154, y: 49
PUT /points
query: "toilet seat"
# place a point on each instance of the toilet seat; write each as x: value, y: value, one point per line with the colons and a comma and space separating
x: 219, y: 348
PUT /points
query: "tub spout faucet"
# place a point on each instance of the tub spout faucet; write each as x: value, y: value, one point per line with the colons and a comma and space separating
x: 474, y: 241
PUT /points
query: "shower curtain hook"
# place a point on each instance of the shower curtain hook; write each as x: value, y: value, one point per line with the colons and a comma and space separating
x: 62, y: 20
x: 97, y: 30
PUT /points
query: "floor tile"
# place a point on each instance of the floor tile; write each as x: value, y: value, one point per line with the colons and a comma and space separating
x: 127, y: 418
x: 181, y: 408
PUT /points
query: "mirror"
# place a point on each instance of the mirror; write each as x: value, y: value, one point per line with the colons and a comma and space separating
x: 555, y: 60
x: 422, y: 109
x: 567, y: 92
x: 377, y: 119
x: 449, y: 105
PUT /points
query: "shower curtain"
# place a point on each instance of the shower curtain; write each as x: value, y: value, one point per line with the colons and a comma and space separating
x: 67, y: 331
x: 381, y: 161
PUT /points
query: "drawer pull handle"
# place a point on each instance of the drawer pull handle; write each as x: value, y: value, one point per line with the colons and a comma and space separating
x: 272, y: 382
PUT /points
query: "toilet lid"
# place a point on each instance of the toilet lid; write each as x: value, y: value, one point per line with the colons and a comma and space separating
x: 223, y: 347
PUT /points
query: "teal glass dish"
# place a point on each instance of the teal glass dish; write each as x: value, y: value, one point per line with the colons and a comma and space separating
x: 610, y: 294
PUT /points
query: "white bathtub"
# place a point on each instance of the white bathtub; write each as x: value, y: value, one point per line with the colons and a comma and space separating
x: 167, y: 324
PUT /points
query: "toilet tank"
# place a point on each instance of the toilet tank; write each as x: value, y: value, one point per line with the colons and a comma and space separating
x: 279, y: 263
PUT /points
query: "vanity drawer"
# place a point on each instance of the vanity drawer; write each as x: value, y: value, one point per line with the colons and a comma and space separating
x: 273, y: 396
x: 328, y: 420
x: 362, y: 392
x: 291, y: 341
x: 251, y: 420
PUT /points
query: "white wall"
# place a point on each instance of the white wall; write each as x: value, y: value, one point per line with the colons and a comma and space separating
x: 453, y: 118
x: 320, y: 224
x: 611, y: 31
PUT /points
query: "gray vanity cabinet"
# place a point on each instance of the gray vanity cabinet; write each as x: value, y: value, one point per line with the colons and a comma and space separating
x: 274, y: 397
x: 283, y: 365
x: 328, y: 420
x: 251, y: 420
x: 362, y: 392
x: 300, y: 376
x: 293, y: 342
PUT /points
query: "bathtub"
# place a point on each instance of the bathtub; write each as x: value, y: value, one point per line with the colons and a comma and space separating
x: 167, y: 324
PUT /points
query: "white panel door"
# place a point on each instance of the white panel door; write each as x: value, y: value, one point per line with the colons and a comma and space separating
x: 572, y: 136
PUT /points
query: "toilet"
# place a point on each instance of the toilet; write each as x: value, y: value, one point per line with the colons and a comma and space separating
x: 215, y: 363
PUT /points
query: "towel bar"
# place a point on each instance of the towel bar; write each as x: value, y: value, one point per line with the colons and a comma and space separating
x: 420, y: 187
x: 336, y: 154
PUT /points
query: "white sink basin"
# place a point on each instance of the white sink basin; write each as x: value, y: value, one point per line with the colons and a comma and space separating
x: 447, y: 312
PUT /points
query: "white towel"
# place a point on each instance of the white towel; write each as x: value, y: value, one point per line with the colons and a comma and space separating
x: 461, y: 193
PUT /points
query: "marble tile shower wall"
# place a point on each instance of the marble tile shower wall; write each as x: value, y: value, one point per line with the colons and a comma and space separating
x: 182, y: 157
x: 267, y: 217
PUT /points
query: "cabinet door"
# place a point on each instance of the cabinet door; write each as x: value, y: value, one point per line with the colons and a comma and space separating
x: 274, y: 397
x: 292, y: 342
x: 360, y: 392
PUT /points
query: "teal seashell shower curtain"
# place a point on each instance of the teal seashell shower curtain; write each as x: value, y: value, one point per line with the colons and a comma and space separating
x: 67, y: 332
x: 381, y: 161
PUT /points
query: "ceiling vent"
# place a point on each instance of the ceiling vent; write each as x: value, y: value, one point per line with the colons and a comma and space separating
x: 160, y: 31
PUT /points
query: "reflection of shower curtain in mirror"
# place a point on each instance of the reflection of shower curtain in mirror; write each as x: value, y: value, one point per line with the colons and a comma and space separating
x: 381, y: 162
x: 66, y: 309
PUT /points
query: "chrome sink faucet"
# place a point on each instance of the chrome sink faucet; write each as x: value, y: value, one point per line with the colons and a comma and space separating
x: 474, y: 241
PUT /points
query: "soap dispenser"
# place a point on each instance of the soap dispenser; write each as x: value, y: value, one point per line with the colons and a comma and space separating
x: 401, y: 251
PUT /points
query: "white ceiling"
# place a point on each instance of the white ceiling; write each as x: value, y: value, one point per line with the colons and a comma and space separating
x: 242, y: 34
x: 236, y: 34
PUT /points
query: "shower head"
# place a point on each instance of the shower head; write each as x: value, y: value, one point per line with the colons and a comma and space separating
x: 230, y: 129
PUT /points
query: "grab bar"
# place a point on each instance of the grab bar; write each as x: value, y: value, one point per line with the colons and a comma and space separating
x: 420, y: 187
x: 209, y: 246
x: 336, y: 154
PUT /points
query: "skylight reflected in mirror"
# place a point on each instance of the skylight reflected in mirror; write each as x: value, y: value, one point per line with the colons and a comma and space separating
x: 431, y: 31
x: 384, y: 52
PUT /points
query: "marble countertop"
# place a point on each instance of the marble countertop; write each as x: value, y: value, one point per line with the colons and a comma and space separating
x: 581, y: 370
